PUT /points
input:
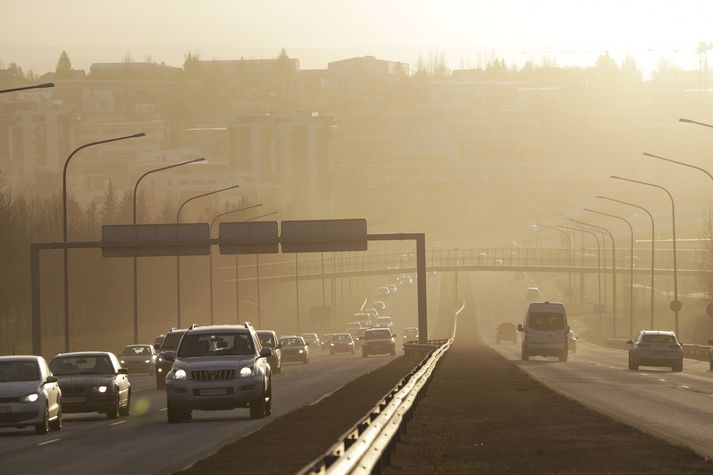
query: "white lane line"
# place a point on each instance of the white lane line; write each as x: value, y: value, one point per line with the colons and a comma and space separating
x: 685, y: 387
x: 117, y: 423
x: 164, y: 409
x: 326, y: 395
x: 47, y: 442
x: 662, y: 380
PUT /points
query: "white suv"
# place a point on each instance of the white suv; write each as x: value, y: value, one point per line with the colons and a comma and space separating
x: 545, y: 331
x: 219, y: 368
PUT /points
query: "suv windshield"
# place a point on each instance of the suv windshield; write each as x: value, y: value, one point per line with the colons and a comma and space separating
x: 546, y: 321
x: 170, y: 343
x: 69, y: 365
x: 377, y: 334
x: 11, y: 371
x: 136, y: 351
x: 658, y: 339
x: 292, y: 342
x: 216, y: 344
x: 266, y: 339
x: 341, y: 338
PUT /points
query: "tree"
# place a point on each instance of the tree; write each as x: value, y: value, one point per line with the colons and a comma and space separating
x: 64, y: 66
x: 110, y: 208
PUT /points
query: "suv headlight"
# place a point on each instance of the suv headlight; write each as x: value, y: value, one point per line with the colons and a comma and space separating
x: 122, y: 361
x: 100, y: 389
x: 247, y: 371
x: 30, y: 398
x: 179, y: 374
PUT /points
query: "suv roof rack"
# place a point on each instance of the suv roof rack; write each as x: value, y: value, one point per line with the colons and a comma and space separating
x: 193, y: 325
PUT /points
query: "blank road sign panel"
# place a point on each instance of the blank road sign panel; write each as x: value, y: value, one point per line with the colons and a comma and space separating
x: 253, y: 237
x: 147, y: 240
x: 324, y: 235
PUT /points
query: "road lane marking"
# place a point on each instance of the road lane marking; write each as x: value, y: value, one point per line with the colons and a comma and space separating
x: 164, y: 409
x: 685, y: 387
x: 327, y: 395
x: 47, y: 442
x: 117, y: 423
x: 662, y: 380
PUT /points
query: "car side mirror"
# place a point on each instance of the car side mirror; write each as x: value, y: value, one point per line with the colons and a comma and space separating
x: 519, y: 327
x: 122, y: 371
x: 51, y: 379
x: 265, y: 353
x: 629, y: 342
x: 169, y: 356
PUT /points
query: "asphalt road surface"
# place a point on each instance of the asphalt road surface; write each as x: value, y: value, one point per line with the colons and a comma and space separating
x: 145, y: 443
x: 677, y: 407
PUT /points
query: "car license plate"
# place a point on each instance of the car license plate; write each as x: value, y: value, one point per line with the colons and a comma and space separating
x: 213, y: 392
x: 73, y: 400
x: 4, y: 409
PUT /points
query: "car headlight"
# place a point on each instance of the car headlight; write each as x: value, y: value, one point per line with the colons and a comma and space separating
x: 160, y: 370
x: 160, y: 359
x: 302, y: 351
x: 122, y: 361
x: 30, y: 398
x: 147, y: 361
x: 331, y: 344
x: 247, y: 371
x: 179, y: 374
x: 100, y: 389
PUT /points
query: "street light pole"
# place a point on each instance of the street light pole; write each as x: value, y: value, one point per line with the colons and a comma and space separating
x: 653, y: 246
x: 631, y: 267
x: 210, y: 268
x: 676, y: 304
x: 178, y: 258
x: 135, y: 221
x: 690, y: 121
x: 599, y: 271
x: 64, y: 223
x: 613, y: 274
x: 25, y: 88
x: 683, y: 164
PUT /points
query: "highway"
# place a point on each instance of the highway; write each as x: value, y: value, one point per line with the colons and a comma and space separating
x: 677, y: 407
x: 145, y: 443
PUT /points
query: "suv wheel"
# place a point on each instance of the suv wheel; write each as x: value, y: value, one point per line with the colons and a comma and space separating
x: 677, y: 367
x: 160, y: 381
x: 259, y: 407
x: 632, y: 364
x: 175, y: 414
x: 525, y: 355
x: 563, y: 355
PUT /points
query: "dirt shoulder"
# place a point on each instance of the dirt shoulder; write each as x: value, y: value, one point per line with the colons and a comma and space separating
x: 292, y: 441
x: 482, y: 414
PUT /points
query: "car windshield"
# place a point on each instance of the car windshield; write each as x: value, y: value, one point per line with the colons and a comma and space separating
x: 658, y: 339
x: 266, y: 339
x: 411, y: 331
x: 341, y: 338
x: 92, y: 364
x: 375, y: 335
x: 136, y: 351
x: 12, y: 371
x: 383, y: 320
x: 309, y: 337
x: 216, y: 344
x: 546, y: 321
x: 292, y: 342
x: 170, y: 343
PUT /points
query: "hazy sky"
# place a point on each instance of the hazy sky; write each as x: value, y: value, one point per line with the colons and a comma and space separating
x: 33, y: 34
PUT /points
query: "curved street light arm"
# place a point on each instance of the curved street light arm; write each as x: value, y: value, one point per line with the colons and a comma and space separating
x: 651, y: 155
x: 218, y: 216
x: 180, y: 208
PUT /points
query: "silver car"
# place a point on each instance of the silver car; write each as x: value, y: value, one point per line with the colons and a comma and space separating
x: 138, y: 359
x: 29, y: 394
x: 656, y: 348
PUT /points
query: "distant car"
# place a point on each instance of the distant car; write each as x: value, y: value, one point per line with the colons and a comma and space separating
x: 372, y: 313
x: 393, y: 289
x: 378, y: 341
x: 168, y: 348
x: 656, y: 348
x: 571, y: 342
x: 268, y: 339
x: 341, y: 343
x: 157, y: 341
x: 383, y: 292
x: 405, y: 279
x: 138, y: 359
x: 312, y: 339
x: 506, y: 331
x: 364, y: 319
x: 410, y: 334
x: 326, y: 339
x: 93, y: 381
x: 29, y: 394
x: 219, y: 367
x: 294, y: 348
x: 533, y: 294
x: 383, y: 322
x: 379, y: 305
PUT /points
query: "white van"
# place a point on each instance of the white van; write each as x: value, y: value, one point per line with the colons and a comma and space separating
x: 545, y: 331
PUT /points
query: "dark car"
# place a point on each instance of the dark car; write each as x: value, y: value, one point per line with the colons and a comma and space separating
x: 268, y: 339
x: 378, y: 341
x: 341, y: 343
x: 138, y: 359
x: 506, y: 332
x: 326, y: 340
x: 93, y: 381
x: 294, y: 348
x: 168, y: 347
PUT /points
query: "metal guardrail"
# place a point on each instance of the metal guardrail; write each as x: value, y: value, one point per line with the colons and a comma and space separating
x: 692, y: 352
x: 367, y: 444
